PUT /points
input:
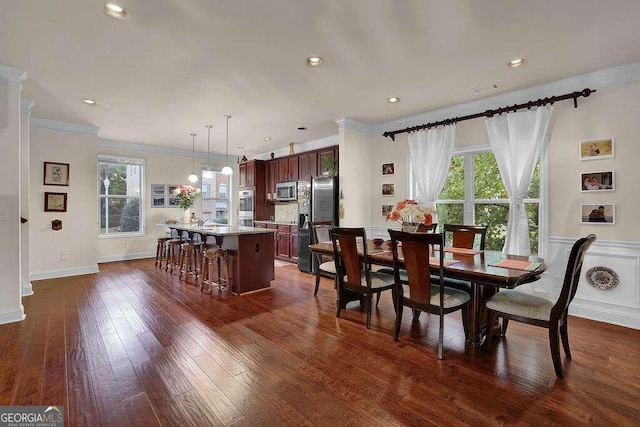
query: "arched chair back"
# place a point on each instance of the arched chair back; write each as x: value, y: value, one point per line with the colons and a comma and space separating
x: 465, y: 236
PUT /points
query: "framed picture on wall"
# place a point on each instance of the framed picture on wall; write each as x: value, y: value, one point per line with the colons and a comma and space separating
x: 158, y: 201
x: 158, y: 189
x: 388, y: 169
x: 597, y: 149
x: 388, y: 189
x: 172, y: 201
x: 55, y: 202
x: 386, y: 209
x: 597, y: 181
x: 56, y: 173
x: 598, y: 214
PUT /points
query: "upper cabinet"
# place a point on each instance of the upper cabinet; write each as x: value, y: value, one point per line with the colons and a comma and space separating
x: 271, y: 179
x: 308, y: 165
x: 247, y: 174
x: 288, y: 169
x: 328, y: 157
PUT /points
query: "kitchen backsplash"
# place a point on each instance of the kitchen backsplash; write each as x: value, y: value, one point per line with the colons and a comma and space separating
x: 286, y: 212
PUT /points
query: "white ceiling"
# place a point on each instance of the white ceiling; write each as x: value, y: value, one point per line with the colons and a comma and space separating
x: 178, y: 65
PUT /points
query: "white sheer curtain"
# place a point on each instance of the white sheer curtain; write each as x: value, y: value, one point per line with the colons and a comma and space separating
x: 517, y: 139
x: 431, y: 152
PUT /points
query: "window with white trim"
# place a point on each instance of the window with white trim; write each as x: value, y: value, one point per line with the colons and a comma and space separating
x: 215, y: 195
x: 474, y: 194
x: 120, y: 196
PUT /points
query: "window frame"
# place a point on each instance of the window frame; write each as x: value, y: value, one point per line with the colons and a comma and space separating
x: 217, y: 169
x: 134, y: 161
x: 470, y: 202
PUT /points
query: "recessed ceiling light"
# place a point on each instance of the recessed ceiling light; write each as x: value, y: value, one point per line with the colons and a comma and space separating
x: 89, y: 101
x: 393, y: 99
x: 266, y: 138
x: 302, y: 128
x: 314, y: 61
x: 240, y: 147
x: 515, y: 63
x: 115, y: 11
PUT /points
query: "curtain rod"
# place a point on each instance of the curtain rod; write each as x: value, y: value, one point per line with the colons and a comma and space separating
x: 490, y: 113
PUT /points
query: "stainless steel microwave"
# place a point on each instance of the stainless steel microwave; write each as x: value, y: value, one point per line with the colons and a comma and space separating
x: 286, y: 191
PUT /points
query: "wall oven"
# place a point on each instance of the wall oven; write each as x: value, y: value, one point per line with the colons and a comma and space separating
x: 245, y: 203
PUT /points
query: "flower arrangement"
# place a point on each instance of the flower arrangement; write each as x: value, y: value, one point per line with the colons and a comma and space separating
x: 186, y: 195
x: 410, y: 211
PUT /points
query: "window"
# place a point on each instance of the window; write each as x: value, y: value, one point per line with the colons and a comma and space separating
x: 215, y: 197
x: 474, y: 194
x: 120, y: 201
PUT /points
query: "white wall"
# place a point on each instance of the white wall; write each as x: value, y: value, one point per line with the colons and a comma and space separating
x: 356, y: 163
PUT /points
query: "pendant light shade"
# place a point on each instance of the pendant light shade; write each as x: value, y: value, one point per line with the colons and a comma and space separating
x: 193, y: 178
x: 227, y: 170
x: 208, y: 173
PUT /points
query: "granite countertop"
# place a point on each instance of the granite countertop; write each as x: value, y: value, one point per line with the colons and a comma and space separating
x: 219, y: 230
x: 278, y: 222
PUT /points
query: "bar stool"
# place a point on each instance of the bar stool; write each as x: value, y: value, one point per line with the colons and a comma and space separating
x: 173, y: 253
x: 217, y: 257
x: 190, y: 252
x: 161, y: 250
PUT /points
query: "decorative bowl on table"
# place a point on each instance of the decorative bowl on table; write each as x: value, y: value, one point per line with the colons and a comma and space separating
x: 378, y: 242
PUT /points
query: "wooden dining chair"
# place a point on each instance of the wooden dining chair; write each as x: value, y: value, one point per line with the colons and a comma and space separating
x: 465, y: 236
x: 526, y: 308
x: 353, y: 271
x: 424, y: 228
x: 420, y: 292
x: 322, y: 265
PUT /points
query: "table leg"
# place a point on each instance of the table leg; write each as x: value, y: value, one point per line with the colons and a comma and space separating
x: 478, y: 317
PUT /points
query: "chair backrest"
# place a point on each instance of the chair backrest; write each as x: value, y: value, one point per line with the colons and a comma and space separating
x: 464, y: 236
x: 424, y: 228
x: 345, y: 254
x: 572, y: 275
x: 320, y: 231
x: 416, y: 251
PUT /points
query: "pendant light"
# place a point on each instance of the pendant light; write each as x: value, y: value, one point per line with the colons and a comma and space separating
x: 227, y: 170
x: 208, y: 173
x: 193, y: 178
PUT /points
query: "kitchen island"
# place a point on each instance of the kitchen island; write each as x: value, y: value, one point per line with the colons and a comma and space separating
x: 249, y: 252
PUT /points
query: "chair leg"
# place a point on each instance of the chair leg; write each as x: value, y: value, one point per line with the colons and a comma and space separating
x: 554, y: 343
x: 378, y: 299
x: 505, y: 323
x: 369, y: 307
x: 338, y: 301
x: 564, y: 335
x: 396, y: 332
x: 491, y: 319
x: 465, y: 320
x: 441, y: 335
x: 416, y: 314
x: 315, y: 292
x: 158, y: 250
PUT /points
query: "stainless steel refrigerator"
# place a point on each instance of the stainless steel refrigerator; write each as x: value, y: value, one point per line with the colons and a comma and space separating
x: 317, y: 201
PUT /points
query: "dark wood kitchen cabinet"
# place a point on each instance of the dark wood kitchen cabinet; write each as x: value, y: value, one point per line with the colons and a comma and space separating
x: 251, y: 176
x: 288, y: 169
x: 330, y: 152
x: 247, y: 174
x: 284, y: 241
x: 308, y: 165
x: 271, y: 179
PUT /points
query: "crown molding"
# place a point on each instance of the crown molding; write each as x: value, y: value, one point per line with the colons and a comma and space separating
x: 347, y: 123
x: 12, y: 76
x: 602, y: 79
x: 316, y: 144
x: 155, y: 149
x: 39, y: 122
x: 26, y: 105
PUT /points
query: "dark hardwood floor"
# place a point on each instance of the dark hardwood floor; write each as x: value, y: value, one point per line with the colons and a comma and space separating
x: 132, y: 345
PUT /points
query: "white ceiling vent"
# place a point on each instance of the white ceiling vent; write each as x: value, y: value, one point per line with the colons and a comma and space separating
x: 480, y: 90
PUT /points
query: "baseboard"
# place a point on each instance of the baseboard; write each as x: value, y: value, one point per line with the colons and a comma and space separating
x: 614, y: 317
x: 126, y: 257
x: 27, y: 289
x: 10, y: 316
x: 64, y: 272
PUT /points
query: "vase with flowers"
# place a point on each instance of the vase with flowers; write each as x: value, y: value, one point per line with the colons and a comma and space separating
x: 410, y: 214
x: 186, y: 195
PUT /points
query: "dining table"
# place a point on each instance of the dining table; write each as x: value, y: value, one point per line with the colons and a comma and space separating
x: 486, y: 270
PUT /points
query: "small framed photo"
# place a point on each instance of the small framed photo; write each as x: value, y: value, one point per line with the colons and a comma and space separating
x: 56, y: 173
x: 388, y: 189
x: 158, y: 189
x: 172, y: 200
x: 386, y: 209
x: 388, y: 169
x: 598, y: 214
x: 55, y: 202
x: 597, y: 149
x: 597, y: 181
x: 158, y: 201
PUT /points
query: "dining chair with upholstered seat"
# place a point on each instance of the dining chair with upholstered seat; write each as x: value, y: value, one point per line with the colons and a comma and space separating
x: 526, y: 308
x: 424, y: 228
x: 322, y: 265
x: 353, y: 270
x: 420, y: 292
x: 464, y: 237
